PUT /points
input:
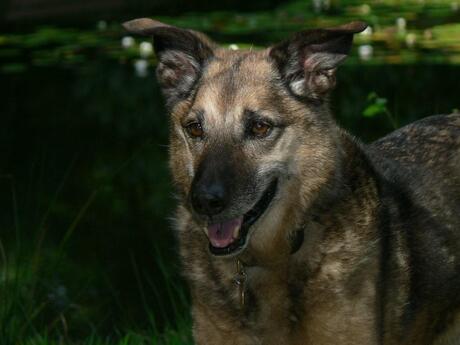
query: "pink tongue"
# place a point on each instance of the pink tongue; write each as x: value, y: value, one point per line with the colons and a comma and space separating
x: 221, y: 234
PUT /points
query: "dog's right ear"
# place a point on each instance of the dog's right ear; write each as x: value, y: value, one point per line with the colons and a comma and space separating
x: 308, y: 60
x: 181, y: 55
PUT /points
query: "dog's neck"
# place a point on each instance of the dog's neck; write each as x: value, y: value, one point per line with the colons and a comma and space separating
x: 291, y: 230
x: 246, y: 260
x: 293, y: 244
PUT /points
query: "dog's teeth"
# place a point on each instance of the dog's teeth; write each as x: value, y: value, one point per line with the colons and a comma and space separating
x: 236, y: 232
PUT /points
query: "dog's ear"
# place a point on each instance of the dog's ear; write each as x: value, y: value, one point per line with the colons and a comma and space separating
x: 308, y: 60
x: 181, y: 55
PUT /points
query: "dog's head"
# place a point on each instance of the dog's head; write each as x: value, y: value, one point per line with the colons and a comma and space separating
x: 251, y: 136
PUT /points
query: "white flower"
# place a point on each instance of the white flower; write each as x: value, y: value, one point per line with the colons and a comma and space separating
x: 145, y: 49
x: 367, y: 31
x: 141, y: 67
x: 320, y: 5
x: 401, y: 24
x: 102, y: 25
x: 317, y: 5
x: 365, y: 51
x: 410, y: 39
x: 233, y: 47
x: 127, y: 42
x: 365, y: 9
x: 454, y: 6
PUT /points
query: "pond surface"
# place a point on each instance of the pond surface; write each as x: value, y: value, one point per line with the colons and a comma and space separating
x: 84, y: 173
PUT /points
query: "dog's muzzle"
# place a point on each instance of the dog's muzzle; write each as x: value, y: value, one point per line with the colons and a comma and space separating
x: 231, y: 236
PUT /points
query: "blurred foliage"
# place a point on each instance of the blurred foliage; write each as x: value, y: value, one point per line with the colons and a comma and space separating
x: 86, y: 241
x: 412, y: 31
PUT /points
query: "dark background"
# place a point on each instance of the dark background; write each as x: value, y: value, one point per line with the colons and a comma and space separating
x: 87, y: 248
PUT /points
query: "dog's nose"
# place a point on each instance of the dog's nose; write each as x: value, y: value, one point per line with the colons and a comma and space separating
x: 209, y: 200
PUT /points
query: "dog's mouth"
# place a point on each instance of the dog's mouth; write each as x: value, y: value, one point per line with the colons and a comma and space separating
x: 229, y: 237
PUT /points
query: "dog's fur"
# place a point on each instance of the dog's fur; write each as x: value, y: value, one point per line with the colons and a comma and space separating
x: 378, y: 256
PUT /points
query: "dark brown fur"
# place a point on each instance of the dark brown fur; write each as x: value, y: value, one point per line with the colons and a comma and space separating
x: 377, y: 261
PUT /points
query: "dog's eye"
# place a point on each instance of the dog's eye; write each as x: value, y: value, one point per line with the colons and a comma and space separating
x: 260, y: 129
x: 195, y: 130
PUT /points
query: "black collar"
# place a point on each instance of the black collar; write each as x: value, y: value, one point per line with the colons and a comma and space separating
x: 297, y: 239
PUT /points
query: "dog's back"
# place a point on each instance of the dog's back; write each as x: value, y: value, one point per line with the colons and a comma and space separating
x: 424, y: 157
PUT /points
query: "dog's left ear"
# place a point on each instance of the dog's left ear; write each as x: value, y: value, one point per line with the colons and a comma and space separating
x: 181, y: 55
x: 308, y: 60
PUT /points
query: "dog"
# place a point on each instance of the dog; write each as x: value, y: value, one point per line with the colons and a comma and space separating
x: 291, y: 231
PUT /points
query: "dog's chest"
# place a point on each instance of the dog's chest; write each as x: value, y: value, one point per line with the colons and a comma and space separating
x: 278, y: 311
x: 327, y: 323
x: 323, y: 325
x: 337, y: 321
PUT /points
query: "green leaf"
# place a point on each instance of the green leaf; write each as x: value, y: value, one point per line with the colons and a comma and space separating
x: 372, y: 110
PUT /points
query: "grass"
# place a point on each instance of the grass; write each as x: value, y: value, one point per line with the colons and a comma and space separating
x: 170, y: 337
x: 36, y: 308
x: 28, y: 317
